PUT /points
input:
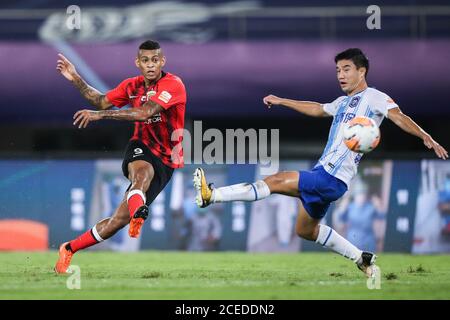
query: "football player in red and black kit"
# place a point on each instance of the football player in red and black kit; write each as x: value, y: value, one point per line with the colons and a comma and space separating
x: 158, y: 101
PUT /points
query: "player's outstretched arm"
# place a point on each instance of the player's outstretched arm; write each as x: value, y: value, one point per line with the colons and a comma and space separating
x: 408, y: 125
x: 143, y: 113
x: 309, y: 108
x: 95, y: 97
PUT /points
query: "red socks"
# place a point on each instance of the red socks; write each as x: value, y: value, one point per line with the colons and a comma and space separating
x: 87, y: 239
x: 135, y: 199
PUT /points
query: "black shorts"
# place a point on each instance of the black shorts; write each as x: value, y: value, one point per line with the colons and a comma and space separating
x: 136, y: 150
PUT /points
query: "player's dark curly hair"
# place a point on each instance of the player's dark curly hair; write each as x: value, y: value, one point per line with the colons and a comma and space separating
x: 149, y: 45
x: 356, y: 55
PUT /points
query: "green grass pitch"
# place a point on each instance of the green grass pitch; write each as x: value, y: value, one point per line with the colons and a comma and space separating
x: 222, y: 275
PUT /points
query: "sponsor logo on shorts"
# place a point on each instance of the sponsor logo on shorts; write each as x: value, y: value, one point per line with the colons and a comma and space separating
x: 165, y: 96
x: 138, y: 152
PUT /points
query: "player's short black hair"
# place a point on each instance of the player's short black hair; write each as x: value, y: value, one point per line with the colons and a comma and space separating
x: 356, y: 56
x: 149, y: 45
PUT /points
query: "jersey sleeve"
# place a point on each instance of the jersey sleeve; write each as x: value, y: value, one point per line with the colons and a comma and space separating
x: 119, y: 96
x: 331, y: 108
x: 170, y: 93
x: 382, y: 103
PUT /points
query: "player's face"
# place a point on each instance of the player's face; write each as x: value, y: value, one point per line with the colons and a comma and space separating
x: 150, y: 62
x: 348, y: 75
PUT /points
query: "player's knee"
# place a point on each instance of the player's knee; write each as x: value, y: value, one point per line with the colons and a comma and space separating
x: 275, y: 181
x: 141, y: 176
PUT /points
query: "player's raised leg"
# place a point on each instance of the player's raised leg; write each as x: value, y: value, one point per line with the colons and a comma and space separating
x: 282, y: 182
x: 141, y: 174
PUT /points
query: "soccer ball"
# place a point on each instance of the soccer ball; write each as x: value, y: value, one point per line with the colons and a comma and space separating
x: 361, y: 134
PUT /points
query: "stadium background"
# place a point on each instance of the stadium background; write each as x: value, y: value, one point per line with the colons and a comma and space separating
x: 56, y: 181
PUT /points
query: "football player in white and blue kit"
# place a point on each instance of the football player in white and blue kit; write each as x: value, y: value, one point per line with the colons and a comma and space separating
x: 329, y: 179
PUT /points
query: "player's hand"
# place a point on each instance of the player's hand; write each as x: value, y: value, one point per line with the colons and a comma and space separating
x: 83, y: 117
x: 272, y: 100
x: 66, y: 68
x: 438, y: 149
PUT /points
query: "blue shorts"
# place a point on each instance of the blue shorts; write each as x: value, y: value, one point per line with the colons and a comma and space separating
x: 318, y: 189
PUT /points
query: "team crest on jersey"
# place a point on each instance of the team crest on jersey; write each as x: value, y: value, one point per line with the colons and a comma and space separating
x: 150, y: 94
x: 354, y: 102
x: 147, y: 97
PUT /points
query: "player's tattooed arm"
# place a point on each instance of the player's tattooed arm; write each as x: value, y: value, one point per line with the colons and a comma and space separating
x: 313, y: 109
x: 95, y: 97
x: 143, y: 113
x: 408, y: 125
x: 92, y: 95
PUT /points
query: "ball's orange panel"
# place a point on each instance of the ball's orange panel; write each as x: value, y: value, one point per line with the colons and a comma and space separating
x: 352, y: 144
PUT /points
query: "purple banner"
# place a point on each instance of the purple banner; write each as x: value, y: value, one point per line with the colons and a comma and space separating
x: 228, y: 79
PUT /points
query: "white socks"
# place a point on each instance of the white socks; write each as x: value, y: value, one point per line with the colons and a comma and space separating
x: 331, y: 239
x: 138, y: 192
x: 241, y: 192
x: 96, y: 235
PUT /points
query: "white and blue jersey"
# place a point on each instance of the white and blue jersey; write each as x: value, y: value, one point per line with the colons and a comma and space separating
x: 337, y: 159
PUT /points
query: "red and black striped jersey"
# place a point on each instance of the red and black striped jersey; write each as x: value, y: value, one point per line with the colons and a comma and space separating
x: 163, y: 132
